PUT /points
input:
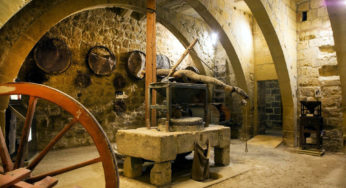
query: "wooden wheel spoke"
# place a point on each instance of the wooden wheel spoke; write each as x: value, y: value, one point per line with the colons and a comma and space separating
x: 79, y: 112
x: 25, y: 133
x: 4, y: 155
x: 63, y: 170
x: 43, y: 153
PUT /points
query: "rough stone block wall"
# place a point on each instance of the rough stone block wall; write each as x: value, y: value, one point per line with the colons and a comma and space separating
x: 81, y: 32
x: 171, y: 47
x: 317, y: 65
x: 269, y: 105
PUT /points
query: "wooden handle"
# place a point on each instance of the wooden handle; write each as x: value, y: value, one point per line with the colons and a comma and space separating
x: 182, y: 57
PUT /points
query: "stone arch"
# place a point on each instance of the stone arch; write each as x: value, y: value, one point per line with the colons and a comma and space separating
x: 227, y: 42
x: 280, y: 61
x: 183, y: 40
x: 19, y: 35
x: 40, y: 16
x: 337, y: 15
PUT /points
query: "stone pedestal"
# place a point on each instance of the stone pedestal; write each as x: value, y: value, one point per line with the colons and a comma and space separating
x: 133, y: 167
x: 161, y: 173
x: 222, y: 156
x: 163, y: 147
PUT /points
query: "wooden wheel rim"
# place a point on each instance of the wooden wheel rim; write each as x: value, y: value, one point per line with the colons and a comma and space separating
x: 81, y: 114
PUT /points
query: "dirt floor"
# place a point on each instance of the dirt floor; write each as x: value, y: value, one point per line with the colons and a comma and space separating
x: 280, y: 167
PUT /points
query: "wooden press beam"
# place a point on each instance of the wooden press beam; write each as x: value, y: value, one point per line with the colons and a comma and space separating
x: 150, y: 67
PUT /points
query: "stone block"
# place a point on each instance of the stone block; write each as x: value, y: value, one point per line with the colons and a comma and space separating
x: 304, y: 6
x: 224, y: 138
x: 159, y: 146
x: 332, y: 140
x: 147, y: 144
x: 133, y: 167
x: 308, y: 81
x: 306, y: 91
x: 330, y: 81
x: 161, y: 174
x: 316, y: 3
x: 322, y: 12
x: 332, y: 112
x: 331, y: 90
x: 329, y: 70
x: 327, y: 48
x: 331, y: 101
x: 222, y: 156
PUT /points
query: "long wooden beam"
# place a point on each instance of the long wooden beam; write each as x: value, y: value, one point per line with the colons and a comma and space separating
x: 150, y: 67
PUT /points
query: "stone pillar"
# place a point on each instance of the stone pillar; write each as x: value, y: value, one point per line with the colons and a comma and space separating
x: 4, y: 100
x: 221, y: 156
x: 133, y: 167
x: 289, y: 125
x: 161, y: 173
x: 3, y: 106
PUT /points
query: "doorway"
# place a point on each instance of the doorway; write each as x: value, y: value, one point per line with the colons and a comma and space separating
x: 269, y: 108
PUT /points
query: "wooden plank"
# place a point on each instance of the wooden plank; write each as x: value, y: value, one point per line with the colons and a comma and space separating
x: 150, y: 69
x: 23, y: 184
x: 313, y: 152
x: 4, y: 155
x: 10, y: 178
x: 47, y: 182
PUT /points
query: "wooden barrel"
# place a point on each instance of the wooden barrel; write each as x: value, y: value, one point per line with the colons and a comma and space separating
x: 162, y: 62
x: 136, y: 63
x: 101, y: 60
x: 52, y: 55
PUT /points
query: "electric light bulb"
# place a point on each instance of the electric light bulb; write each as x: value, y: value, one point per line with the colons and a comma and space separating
x: 214, y: 37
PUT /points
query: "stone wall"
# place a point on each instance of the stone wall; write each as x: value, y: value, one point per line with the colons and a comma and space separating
x: 170, y: 46
x: 113, y: 111
x: 317, y: 65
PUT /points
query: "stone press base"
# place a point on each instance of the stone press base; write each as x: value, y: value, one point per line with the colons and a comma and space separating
x: 163, y: 147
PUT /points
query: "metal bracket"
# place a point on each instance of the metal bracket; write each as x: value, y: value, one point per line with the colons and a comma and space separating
x: 151, y: 10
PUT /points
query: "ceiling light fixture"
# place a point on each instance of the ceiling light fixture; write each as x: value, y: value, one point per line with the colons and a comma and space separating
x: 214, y: 37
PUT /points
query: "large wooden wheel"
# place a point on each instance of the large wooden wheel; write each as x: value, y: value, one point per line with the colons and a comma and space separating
x: 80, y: 114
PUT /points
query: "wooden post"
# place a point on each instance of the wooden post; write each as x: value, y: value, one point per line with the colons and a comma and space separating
x: 150, y: 67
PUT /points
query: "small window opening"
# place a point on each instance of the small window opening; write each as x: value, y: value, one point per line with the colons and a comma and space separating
x: 304, y: 16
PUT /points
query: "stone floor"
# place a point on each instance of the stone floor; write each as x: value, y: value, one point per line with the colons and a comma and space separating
x: 280, y: 167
